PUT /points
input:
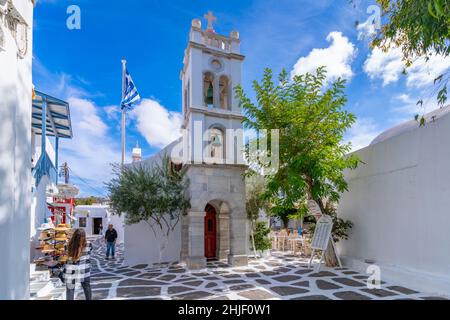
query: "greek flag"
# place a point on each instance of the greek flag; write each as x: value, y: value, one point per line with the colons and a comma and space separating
x: 130, y: 95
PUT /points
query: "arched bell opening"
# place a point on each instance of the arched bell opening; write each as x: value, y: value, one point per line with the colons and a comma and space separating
x: 208, y: 89
x: 224, y: 93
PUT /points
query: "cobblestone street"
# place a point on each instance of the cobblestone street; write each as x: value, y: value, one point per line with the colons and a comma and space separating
x: 278, y: 277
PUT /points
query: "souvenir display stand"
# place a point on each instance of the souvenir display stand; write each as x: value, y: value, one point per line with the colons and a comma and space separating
x: 53, y: 246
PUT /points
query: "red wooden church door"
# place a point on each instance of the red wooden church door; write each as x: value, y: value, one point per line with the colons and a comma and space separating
x: 210, y: 232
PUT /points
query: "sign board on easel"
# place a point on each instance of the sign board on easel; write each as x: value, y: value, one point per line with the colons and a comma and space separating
x: 322, y: 238
x: 322, y: 234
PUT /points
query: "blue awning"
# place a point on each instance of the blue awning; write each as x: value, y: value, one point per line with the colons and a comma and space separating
x: 59, y: 123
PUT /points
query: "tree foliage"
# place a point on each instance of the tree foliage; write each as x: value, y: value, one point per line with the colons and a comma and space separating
x: 261, y: 235
x: 155, y: 195
x: 421, y: 28
x: 86, y: 201
x: 311, y: 119
x: 255, y: 203
x: 256, y: 200
x: 341, y: 227
x: 418, y: 27
x: 286, y: 214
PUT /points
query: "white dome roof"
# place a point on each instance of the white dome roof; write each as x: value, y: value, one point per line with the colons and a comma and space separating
x: 410, y: 125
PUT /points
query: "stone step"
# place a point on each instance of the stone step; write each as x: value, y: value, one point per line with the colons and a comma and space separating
x: 39, y: 276
x: 45, y: 288
x: 37, y: 286
x: 45, y: 298
x: 59, y: 293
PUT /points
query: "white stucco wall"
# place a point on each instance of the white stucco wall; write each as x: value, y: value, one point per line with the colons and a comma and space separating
x: 39, y: 207
x: 142, y: 247
x: 15, y: 162
x: 100, y: 211
x: 39, y: 213
x: 119, y: 225
x: 399, y: 202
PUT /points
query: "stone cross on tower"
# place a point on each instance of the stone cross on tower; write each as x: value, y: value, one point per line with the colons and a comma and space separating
x: 211, y: 18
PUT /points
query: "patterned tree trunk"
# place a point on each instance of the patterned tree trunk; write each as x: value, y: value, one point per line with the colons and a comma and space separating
x: 330, y: 256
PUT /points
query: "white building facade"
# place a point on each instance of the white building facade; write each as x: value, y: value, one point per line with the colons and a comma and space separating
x: 16, y: 21
x: 50, y: 124
x: 41, y: 190
x: 95, y: 220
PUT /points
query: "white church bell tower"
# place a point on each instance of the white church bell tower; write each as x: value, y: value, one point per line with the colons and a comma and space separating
x: 212, y: 69
x: 216, y: 226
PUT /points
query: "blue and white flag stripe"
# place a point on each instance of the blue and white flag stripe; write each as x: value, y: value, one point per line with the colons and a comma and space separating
x: 131, y: 95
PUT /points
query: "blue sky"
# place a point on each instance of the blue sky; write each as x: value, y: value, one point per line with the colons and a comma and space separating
x: 83, y: 67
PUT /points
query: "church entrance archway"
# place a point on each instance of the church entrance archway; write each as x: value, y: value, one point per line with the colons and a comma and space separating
x: 210, y: 233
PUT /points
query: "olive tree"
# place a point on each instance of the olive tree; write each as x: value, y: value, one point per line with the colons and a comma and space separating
x: 255, y: 203
x: 153, y: 194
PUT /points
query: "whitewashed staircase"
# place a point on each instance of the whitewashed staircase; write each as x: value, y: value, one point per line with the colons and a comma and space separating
x: 42, y: 287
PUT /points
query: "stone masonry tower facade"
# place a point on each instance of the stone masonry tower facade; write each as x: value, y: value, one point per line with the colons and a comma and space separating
x: 216, y: 226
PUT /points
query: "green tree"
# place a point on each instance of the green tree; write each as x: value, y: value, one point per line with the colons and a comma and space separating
x: 311, y: 119
x: 261, y: 240
x: 155, y: 195
x: 286, y: 214
x: 255, y: 203
x: 420, y: 28
x: 85, y: 201
x: 341, y: 227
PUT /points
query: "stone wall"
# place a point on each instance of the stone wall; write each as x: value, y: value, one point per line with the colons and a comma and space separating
x: 224, y: 188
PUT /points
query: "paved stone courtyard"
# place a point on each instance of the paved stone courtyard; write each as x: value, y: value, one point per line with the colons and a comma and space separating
x: 278, y: 277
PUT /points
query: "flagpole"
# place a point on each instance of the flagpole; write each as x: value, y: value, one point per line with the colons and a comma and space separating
x: 124, y: 62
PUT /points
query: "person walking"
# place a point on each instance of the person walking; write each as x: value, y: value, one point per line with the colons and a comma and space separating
x: 111, y: 239
x: 78, y: 267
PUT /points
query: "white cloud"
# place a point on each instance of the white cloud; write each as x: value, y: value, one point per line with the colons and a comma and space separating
x: 91, y: 151
x: 85, y: 118
x: 337, y: 58
x: 112, y: 112
x: 59, y: 84
x: 423, y: 73
x: 362, y: 133
x: 388, y: 66
x: 409, y: 107
x: 156, y: 124
x: 366, y: 29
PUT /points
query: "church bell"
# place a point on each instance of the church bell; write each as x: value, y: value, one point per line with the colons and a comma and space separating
x: 216, y: 142
x: 209, y: 99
